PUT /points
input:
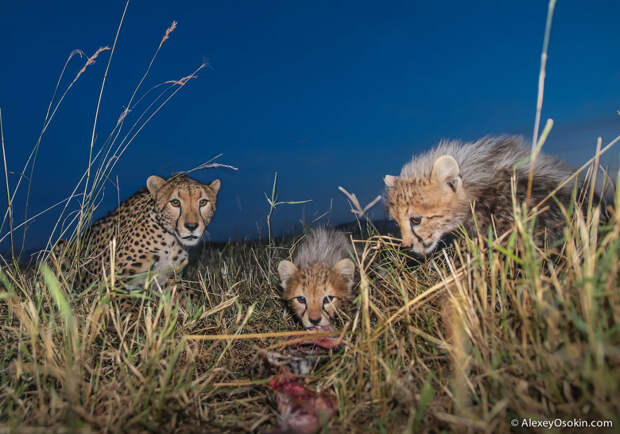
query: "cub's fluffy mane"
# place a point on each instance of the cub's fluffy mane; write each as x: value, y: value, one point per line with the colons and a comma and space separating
x: 481, y: 160
x: 322, y: 246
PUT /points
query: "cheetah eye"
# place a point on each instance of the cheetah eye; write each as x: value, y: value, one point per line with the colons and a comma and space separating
x: 203, y: 202
x: 301, y: 300
x: 416, y: 220
x: 328, y: 299
x: 175, y: 203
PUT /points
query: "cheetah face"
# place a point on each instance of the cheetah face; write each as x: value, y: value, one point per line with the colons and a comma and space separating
x: 429, y: 208
x: 315, y: 293
x: 184, y: 206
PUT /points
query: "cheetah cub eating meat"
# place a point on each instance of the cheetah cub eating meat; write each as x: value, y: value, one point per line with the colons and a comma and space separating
x: 436, y: 191
x: 153, y: 230
x: 319, y: 279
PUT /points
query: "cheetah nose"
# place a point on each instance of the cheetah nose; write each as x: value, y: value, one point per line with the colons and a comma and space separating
x: 315, y: 321
x: 191, y: 226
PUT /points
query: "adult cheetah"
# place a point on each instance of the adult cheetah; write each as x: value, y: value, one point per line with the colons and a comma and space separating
x: 152, y: 231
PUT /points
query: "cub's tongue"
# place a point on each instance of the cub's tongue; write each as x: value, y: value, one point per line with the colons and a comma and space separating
x: 317, y: 343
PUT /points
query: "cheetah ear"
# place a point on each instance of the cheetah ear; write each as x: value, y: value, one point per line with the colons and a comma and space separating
x: 286, y: 269
x: 154, y: 183
x: 346, y: 268
x: 446, y: 171
x: 389, y: 180
x: 215, y: 185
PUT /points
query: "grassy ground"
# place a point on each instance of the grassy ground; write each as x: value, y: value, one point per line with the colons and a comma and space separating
x: 533, y: 333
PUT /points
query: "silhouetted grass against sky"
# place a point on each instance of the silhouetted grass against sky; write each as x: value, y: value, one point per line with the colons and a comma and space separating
x: 326, y: 94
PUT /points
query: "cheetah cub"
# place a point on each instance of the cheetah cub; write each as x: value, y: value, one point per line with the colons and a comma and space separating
x: 153, y: 230
x: 320, y: 277
x: 436, y: 191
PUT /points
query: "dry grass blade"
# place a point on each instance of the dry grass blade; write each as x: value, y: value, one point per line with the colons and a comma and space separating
x: 210, y: 164
x: 270, y: 335
x: 9, y: 210
x: 356, y: 208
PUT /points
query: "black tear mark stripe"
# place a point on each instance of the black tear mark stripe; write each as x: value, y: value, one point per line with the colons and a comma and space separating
x: 417, y: 236
x: 305, y: 309
x: 176, y: 223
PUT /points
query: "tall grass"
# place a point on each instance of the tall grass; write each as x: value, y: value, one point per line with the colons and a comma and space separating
x: 469, y: 339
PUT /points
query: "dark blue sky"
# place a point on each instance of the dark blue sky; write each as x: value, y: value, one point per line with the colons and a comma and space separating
x: 326, y: 95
